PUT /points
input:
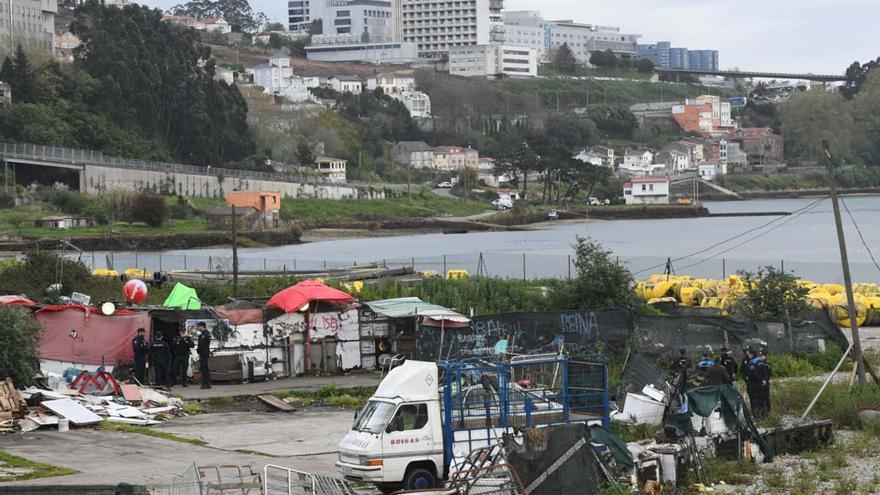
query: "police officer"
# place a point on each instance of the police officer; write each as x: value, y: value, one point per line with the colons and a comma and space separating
x: 753, y: 384
x: 141, y: 349
x: 748, y: 354
x: 181, y: 346
x: 682, y: 364
x: 765, y: 372
x: 729, y: 363
x: 204, y: 351
x: 717, y: 375
x: 160, y: 360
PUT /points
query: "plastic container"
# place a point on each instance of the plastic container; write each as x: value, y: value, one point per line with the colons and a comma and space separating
x: 641, y: 409
x: 63, y: 425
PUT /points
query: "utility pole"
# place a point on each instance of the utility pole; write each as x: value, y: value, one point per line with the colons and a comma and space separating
x: 409, y: 181
x: 234, y: 254
x: 844, y: 261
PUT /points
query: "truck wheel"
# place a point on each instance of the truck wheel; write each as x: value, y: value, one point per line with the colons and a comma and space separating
x: 419, y: 479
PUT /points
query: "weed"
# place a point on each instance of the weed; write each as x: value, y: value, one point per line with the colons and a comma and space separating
x: 837, y: 403
x: 804, y: 483
x: 633, y: 433
x: 220, y: 401
x: 730, y: 472
x: 143, y: 430
x: 35, y: 469
x: 193, y: 408
x: 331, y: 396
x: 775, y: 478
x: 845, y: 486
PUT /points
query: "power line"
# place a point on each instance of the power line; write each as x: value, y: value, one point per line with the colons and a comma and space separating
x: 795, y: 213
x: 856, y: 225
x: 787, y: 220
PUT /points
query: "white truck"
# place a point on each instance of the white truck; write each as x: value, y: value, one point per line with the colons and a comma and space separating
x: 424, y: 416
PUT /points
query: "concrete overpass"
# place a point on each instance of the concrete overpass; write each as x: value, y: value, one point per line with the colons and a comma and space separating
x: 96, y: 173
x: 743, y: 74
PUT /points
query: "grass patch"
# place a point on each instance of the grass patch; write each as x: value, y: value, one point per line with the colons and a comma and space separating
x: 423, y: 205
x: 37, y: 469
x: 247, y: 242
x: 220, y: 401
x: 633, y: 432
x: 730, y: 472
x: 192, y: 408
x: 837, y: 403
x: 331, y: 396
x: 143, y: 430
x: 775, y: 478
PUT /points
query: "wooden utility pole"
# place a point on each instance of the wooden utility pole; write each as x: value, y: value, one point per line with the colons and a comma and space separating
x: 844, y: 261
x: 234, y: 253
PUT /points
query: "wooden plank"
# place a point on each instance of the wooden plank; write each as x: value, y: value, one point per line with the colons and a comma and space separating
x: 132, y: 393
x: 275, y: 402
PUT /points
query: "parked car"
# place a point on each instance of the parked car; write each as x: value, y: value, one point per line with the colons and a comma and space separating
x: 594, y: 201
x: 502, y: 204
x: 553, y: 215
x: 444, y: 185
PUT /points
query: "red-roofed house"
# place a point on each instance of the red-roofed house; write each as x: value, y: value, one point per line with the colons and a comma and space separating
x: 217, y: 25
x: 456, y: 158
x: 760, y: 144
x: 647, y: 191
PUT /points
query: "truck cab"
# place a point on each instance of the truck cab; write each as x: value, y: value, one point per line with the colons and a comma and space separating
x: 396, y: 440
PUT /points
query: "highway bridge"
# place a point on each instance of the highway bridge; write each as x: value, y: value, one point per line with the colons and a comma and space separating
x: 743, y: 74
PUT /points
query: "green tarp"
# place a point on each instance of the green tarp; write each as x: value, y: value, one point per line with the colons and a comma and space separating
x: 182, y: 297
x: 618, y: 449
x: 736, y: 414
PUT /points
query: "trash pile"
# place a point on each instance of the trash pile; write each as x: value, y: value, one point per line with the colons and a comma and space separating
x: 87, y: 399
x: 720, y: 294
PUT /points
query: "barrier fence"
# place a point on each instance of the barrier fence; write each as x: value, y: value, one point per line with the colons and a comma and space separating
x: 512, y: 265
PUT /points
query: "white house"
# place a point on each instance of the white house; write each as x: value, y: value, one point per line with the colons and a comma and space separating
x: 297, y: 90
x: 418, y: 103
x: 224, y: 74
x: 605, y: 152
x: 647, y: 191
x: 217, y: 25
x: 588, y: 156
x: 638, y: 162
x: 260, y: 38
x: 332, y: 168
x: 392, y: 83
x: 674, y: 160
x: 273, y: 75
x: 346, y: 84
x: 708, y: 171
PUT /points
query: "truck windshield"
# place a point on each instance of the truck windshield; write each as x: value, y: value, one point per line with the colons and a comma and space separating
x: 374, y: 417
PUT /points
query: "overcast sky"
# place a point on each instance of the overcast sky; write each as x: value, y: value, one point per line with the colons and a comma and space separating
x: 819, y: 36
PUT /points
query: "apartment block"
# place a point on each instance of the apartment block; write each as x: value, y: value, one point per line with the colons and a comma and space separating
x: 493, y: 61
x: 664, y: 55
x: 438, y: 25
x: 30, y: 23
x: 299, y: 15
x: 370, y: 20
x: 527, y: 28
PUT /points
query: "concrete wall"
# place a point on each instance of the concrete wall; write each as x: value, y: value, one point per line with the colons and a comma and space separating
x: 98, y: 179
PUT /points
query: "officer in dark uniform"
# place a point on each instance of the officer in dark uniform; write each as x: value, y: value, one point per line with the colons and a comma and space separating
x: 204, y: 351
x: 729, y: 363
x: 141, y: 349
x: 160, y: 360
x: 748, y: 354
x: 753, y: 384
x: 765, y: 372
x: 682, y: 364
x: 717, y: 375
x: 181, y: 346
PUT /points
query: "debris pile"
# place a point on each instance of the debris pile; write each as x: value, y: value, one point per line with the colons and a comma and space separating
x: 86, y: 400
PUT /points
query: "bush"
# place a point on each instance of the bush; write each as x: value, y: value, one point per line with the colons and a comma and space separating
x: 7, y: 200
x: 600, y: 283
x: 39, y: 270
x: 771, y: 295
x: 69, y: 201
x: 182, y: 209
x: 117, y: 204
x: 19, y: 338
x: 96, y: 211
x: 149, y: 208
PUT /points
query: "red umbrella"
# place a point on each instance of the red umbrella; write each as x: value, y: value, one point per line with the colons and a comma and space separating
x: 295, y: 297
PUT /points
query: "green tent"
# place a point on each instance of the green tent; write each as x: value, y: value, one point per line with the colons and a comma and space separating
x: 183, y: 297
x: 734, y: 410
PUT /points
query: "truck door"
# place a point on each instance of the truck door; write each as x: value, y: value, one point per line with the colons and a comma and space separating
x: 408, y: 438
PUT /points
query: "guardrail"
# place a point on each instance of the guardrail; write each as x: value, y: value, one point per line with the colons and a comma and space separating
x: 91, y: 157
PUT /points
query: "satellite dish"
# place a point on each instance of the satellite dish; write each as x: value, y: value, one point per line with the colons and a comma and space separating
x: 108, y: 308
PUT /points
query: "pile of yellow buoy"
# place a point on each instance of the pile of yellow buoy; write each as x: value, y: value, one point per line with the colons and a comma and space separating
x: 720, y: 294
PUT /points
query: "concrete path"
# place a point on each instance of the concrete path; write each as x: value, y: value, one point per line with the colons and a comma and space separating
x: 304, y: 383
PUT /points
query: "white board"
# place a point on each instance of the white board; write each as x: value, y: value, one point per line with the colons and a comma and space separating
x: 71, y: 410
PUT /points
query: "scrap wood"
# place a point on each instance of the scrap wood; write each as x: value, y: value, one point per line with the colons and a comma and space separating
x: 132, y: 393
x: 11, y: 400
x: 275, y: 402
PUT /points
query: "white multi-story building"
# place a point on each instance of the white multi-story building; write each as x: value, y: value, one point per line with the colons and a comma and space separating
x: 402, y: 87
x: 370, y: 20
x: 647, y: 191
x: 438, y: 25
x: 334, y: 169
x: 299, y: 16
x: 273, y: 75
x: 346, y: 84
x: 30, y: 23
x: 493, y: 61
x: 527, y: 28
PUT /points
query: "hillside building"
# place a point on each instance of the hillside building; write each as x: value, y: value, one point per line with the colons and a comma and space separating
x: 30, y: 23
x: 493, y: 61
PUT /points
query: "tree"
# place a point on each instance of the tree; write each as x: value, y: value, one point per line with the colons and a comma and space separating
x: 22, y: 77
x: 614, y: 120
x: 41, y: 269
x: 149, y: 208
x: 273, y: 26
x: 771, y: 294
x: 603, y: 59
x: 304, y: 154
x: 19, y: 339
x: 866, y: 119
x: 600, y: 282
x: 571, y: 131
x: 811, y: 116
x: 856, y: 75
x: 516, y: 158
x: 238, y: 13
x: 564, y: 60
x: 645, y: 65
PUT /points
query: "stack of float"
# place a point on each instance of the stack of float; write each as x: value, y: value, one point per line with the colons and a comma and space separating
x: 720, y: 294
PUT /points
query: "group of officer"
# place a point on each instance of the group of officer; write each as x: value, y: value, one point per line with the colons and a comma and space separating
x: 754, y: 369
x: 171, y: 360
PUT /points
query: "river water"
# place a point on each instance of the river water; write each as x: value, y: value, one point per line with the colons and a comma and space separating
x: 805, y: 243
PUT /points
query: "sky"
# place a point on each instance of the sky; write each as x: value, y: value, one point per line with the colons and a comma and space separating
x: 818, y: 36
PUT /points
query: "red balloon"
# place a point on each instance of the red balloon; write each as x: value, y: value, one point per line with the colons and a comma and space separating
x: 135, y: 291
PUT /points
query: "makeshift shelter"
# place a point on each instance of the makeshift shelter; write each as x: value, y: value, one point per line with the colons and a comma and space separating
x: 259, y: 352
x: 312, y: 314
x: 411, y: 326
x: 183, y: 297
x: 82, y: 337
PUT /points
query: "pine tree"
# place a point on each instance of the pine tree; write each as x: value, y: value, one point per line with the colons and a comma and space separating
x: 564, y: 60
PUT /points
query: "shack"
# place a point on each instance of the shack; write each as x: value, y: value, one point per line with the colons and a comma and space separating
x: 246, y: 218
